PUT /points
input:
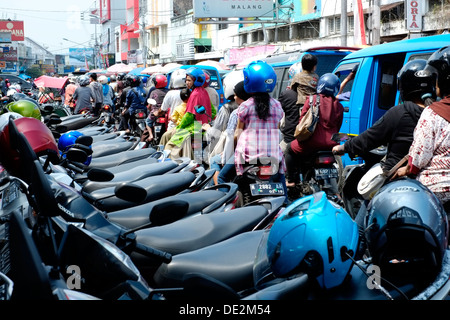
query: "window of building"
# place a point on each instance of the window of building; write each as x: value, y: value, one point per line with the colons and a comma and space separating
x: 164, y: 34
x: 334, y: 25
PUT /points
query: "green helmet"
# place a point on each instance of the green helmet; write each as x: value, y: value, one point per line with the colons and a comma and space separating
x: 26, y: 108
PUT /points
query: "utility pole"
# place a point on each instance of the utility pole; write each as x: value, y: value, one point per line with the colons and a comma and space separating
x: 344, y: 23
x: 376, y: 22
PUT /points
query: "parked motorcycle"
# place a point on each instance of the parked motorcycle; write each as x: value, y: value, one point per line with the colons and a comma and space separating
x: 350, y: 175
x: 259, y: 180
x: 319, y: 172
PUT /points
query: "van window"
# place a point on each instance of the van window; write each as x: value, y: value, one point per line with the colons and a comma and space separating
x: 282, y: 81
x: 343, y: 73
x: 387, y: 93
x: 214, y: 78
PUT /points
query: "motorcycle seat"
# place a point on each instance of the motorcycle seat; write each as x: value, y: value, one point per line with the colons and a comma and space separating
x: 77, y: 122
x: 121, y: 158
x: 133, y: 174
x: 140, y: 215
x: 157, y: 187
x: 103, y: 137
x: 199, y: 231
x: 229, y: 261
x: 108, y: 147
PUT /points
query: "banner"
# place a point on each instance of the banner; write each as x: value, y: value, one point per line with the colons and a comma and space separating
x: 15, y: 27
x: 8, y: 54
x: 233, y: 8
x: 359, y: 26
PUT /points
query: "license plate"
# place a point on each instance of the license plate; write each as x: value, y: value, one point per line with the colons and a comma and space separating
x: 266, y: 189
x: 326, y: 173
x: 157, y: 129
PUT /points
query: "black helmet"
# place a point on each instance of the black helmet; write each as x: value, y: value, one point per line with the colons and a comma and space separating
x: 440, y: 61
x: 412, y: 80
x: 121, y: 76
x: 133, y: 81
x: 406, y: 229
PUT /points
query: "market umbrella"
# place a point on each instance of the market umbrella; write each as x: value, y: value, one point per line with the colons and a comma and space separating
x: 170, y: 66
x: 121, y: 67
x: 212, y: 63
x: 157, y: 68
x: 136, y: 71
x: 51, y: 82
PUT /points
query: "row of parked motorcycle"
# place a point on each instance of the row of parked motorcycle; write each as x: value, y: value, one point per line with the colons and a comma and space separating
x: 87, y: 213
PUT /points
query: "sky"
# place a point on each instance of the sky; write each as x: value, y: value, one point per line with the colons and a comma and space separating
x: 47, y: 22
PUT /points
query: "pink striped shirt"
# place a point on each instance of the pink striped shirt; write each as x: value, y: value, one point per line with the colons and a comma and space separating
x: 259, y: 138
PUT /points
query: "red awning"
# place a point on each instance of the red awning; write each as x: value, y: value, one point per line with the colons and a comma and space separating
x: 51, y: 82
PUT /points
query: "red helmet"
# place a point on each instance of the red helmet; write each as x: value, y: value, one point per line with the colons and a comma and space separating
x: 207, y: 79
x: 160, y: 81
x: 38, y: 135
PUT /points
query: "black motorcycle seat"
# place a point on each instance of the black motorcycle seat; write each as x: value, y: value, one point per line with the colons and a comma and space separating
x: 77, y: 123
x: 103, y: 137
x: 121, y: 158
x: 229, y: 261
x: 157, y: 187
x: 133, y: 174
x: 108, y: 147
x: 200, y: 231
x: 132, y: 164
x: 140, y: 215
x: 81, y: 178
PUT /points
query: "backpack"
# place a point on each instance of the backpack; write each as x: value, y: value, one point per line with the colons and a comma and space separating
x: 307, y: 124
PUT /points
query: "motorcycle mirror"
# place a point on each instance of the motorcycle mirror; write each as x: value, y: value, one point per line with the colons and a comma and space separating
x: 48, y: 107
x: 339, y: 137
x: 200, y: 109
x: 84, y: 140
x: 61, y: 129
x: 168, y: 212
x: 130, y: 192
x: 99, y: 174
x: 86, y: 149
x: 53, y: 120
x: 76, y: 155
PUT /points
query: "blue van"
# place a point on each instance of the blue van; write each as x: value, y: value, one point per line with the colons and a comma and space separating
x: 374, y: 89
x: 216, y: 80
x: 328, y: 58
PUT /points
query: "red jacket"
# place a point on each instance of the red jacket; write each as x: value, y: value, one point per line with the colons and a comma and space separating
x: 331, y: 113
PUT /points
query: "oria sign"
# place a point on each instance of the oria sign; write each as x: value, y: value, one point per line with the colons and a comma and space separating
x: 233, y: 8
x: 414, y: 12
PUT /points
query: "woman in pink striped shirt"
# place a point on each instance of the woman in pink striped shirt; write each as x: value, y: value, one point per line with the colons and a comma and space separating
x: 257, y: 133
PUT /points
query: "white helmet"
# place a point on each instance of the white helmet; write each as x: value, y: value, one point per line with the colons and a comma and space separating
x: 103, y: 79
x: 178, y: 79
x: 230, y: 80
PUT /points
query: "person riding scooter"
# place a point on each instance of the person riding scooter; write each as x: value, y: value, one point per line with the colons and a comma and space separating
x: 395, y: 129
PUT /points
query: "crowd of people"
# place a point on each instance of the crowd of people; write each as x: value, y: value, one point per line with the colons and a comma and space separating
x: 252, y: 124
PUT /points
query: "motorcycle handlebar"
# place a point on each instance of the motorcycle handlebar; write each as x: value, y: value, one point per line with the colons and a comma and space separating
x: 152, y: 253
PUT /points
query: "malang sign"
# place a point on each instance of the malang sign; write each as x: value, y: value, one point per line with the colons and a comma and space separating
x: 233, y: 8
x: 15, y: 27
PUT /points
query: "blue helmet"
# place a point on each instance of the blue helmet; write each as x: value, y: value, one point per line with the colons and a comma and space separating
x: 314, y: 236
x: 259, y: 76
x: 198, y: 75
x: 67, y: 140
x: 328, y: 84
x: 406, y: 229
